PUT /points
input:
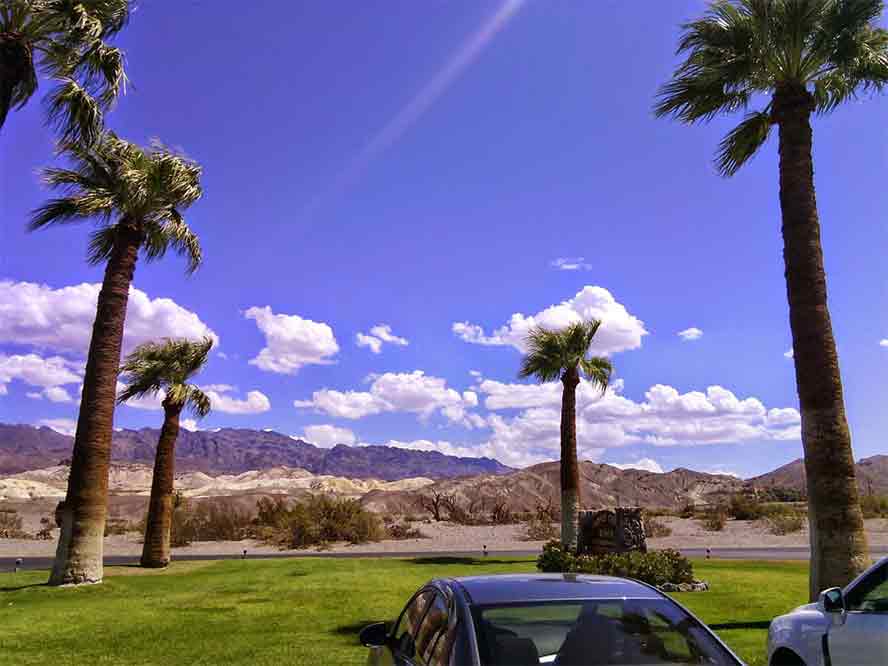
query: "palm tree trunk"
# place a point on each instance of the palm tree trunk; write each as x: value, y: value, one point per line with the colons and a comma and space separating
x: 79, y: 552
x: 838, y: 541
x: 570, y: 472
x: 156, y: 551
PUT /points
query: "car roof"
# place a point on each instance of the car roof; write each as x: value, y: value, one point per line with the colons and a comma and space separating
x: 535, y: 588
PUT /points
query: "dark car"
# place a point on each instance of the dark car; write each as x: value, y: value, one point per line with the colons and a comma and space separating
x: 530, y: 619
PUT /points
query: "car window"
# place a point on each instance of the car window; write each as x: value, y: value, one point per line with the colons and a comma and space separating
x: 870, y: 595
x: 411, y: 617
x: 433, y: 623
x: 624, y: 631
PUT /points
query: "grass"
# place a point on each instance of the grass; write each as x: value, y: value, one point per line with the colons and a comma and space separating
x: 304, y: 611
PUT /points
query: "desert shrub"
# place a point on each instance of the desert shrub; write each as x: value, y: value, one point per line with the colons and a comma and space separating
x: 656, y: 567
x: 687, y: 511
x: 209, y: 521
x: 874, y: 506
x: 548, y: 512
x: 781, y: 494
x: 714, y: 520
x: 539, y: 529
x: 655, y: 528
x: 785, y: 523
x: 502, y: 514
x: 402, y: 529
x: 119, y: 526
x: 317, y: 521
x: 744, y: 507
x: 11, y: 525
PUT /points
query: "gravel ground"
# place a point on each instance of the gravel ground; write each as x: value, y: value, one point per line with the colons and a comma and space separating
x: 447, y: 537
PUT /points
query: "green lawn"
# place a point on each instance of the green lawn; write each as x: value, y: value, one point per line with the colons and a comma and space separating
x: 302, y: 611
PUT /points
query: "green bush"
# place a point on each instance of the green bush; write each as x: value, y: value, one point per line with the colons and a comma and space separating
x: 656, y: 567
x: 209, y: 521
x: 317, y: 521
x: 744, y: 507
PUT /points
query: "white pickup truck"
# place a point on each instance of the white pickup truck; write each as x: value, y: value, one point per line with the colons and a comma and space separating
x: 844, y: 628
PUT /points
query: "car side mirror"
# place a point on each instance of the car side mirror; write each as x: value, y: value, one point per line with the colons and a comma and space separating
x: 374, y: 635
x: 832, y: 600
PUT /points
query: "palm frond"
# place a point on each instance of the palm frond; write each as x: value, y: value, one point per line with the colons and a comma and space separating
x: 167, y: 365
x: 551, y: 352
x: 598, y: 371
x: 74, y: 113
x: 742, y: 142
x: 198, y: 401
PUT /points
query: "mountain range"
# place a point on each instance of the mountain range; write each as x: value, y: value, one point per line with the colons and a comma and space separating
x: 236, y: 450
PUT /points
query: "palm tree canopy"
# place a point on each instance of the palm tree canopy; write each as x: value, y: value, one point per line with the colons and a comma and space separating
x: 67, y: 41
x: 551, y: 353
x: 742, y: 50
x: 122, y: 186
x: 168, y: 365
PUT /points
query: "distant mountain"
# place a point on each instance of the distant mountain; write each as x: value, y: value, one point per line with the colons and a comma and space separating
x: 872, y: 476
x: 600, y: 485
x: 234, y: 451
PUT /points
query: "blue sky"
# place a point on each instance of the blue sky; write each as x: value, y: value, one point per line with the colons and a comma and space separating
x: 426, y: 166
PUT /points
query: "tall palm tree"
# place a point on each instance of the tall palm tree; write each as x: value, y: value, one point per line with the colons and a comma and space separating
x: 67, y: 40
x: 165, y: 366
x: 135, y: 195
x: 562, y: 355
x: 792, y: 59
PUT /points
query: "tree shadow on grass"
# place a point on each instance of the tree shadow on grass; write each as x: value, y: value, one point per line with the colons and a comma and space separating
x: 466, y: 561
x: 762, y: 624
x: 22, y: 587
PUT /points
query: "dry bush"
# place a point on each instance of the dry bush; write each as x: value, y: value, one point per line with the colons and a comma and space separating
x: 540, y: 529
x: 11, y: 525
x: 209, y: 521
x: 785, y: 523
x: 874, y: 506
x: 655, y: 528
x: 501, y: 513
x: 400, y: 530
x: 714, y: 520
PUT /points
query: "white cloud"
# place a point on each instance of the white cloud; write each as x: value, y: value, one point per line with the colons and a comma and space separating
x: 690, y: 334
x: 34, y: 395
x: 789, y: 353
x: 379, y: 335
x: 413, y: 392
x: 664, y: 418
x: 326, y: 435
x: 57, y: 394
x: 571, y: 264
x: 619, y: 330
x: 256, y: 402
x: 644, y: 464
x: 36, y: 370
x: 189, y: 424
x: 61, y: 319
x: 883, y: 342
x: 291, y: 341
x: 63, y: 426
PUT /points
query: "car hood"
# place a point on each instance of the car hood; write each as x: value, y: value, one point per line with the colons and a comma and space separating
x: 805, y: 607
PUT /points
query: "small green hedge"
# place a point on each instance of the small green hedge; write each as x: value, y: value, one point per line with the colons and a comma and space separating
x: 656, y: 567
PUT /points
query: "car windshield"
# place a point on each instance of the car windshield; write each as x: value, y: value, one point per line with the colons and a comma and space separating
x: 586, y: 632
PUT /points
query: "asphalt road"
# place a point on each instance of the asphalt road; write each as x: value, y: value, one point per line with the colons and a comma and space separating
x: 794, y: 553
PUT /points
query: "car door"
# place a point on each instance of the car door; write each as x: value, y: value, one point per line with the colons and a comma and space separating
x: 861, y: 639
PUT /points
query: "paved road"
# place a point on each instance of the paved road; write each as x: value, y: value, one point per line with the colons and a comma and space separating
x: 793, y: 553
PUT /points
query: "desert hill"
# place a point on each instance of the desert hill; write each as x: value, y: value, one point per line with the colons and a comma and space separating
x: 237, y: 450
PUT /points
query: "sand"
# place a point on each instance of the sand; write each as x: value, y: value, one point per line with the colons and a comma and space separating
x: 447, y: 537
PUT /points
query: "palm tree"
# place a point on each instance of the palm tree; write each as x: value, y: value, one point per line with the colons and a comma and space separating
x: 165, y: 366
x: 794, y: 58
x: 67, y: 41
x: 135, y: 195
x: 553, y: 355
